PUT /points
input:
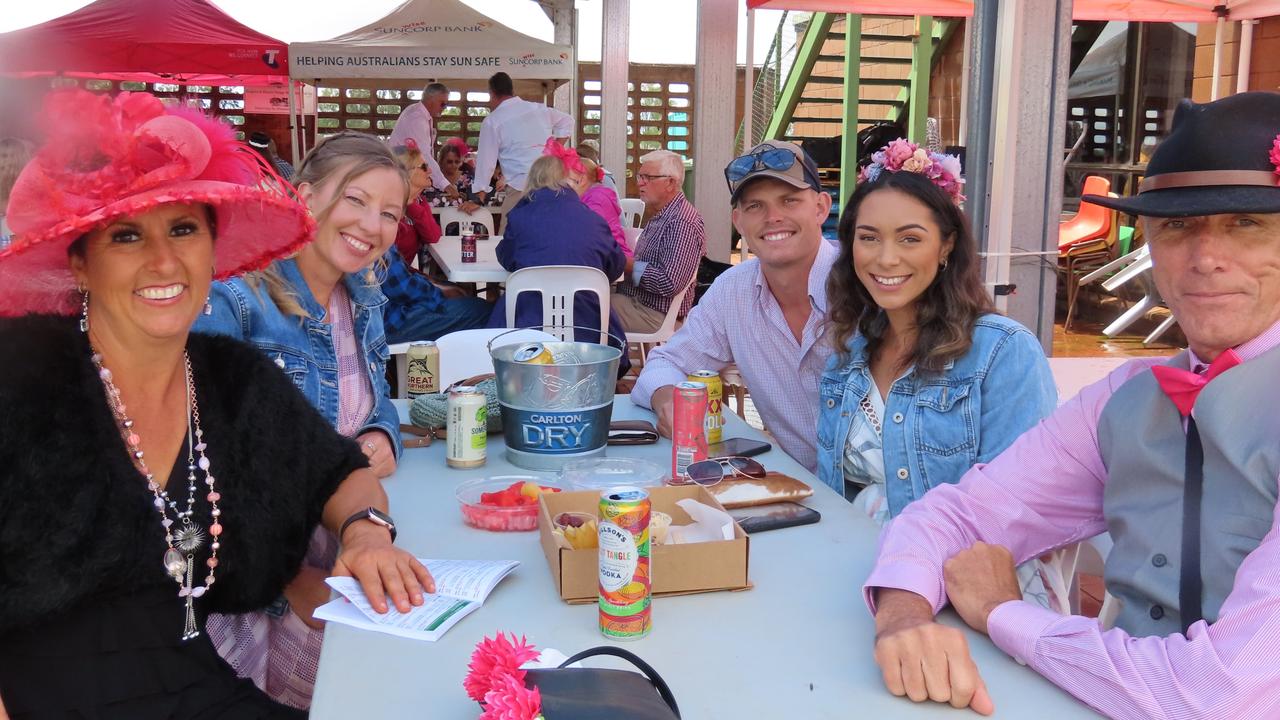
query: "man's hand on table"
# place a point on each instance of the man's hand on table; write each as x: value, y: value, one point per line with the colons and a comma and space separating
x: 979, y: 580
x: 663, y: 407
x: 922, y: 659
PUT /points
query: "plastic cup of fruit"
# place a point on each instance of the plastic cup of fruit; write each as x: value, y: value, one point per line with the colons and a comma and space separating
x: 659, y: 523
x: 579, y: 529
x: 498, y: 518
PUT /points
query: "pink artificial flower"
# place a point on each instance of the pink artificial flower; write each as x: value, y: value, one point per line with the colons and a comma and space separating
x: 493, y: 660
x: 949, y: 164
x: 1275, y: 154
x: 918, y: 162
x: 509, y: 699
x: 898, y: 152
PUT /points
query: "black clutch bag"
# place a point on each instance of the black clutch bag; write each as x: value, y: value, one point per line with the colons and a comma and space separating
x: 591, y: 693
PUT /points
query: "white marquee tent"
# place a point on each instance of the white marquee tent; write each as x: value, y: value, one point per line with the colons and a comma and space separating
x: 422, y: 39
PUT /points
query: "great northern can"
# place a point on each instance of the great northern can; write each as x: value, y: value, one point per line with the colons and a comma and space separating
x: 468, y: 244
x: 714, y: 423
x: 423, y: 374
x: 467, y: 428
x: 533, y: 354
x: 688, y: 430
x: 626, y: 610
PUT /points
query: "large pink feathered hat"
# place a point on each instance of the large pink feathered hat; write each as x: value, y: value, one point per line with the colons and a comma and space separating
x: 107, y: 158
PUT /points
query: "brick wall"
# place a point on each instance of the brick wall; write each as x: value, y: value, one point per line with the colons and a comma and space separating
x: 1264, y: 70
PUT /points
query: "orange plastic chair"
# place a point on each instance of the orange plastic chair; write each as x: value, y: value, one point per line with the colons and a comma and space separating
x: 1092, y: 222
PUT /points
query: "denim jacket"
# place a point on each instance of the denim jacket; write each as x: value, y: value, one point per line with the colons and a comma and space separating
x: 938, y: 425
x: 303, y: 347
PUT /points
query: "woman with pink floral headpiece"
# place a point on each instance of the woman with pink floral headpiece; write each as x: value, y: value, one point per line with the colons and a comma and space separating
x: 927, y: 379
x: 150, y: 476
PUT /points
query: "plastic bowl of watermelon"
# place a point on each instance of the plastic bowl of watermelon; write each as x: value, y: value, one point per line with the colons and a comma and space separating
x: 505, y: 503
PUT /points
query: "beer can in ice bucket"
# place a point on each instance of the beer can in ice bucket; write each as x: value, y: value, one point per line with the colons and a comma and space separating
x: 533, y: 354
x: 626, y: 610
x: 714, y: 422
x: 688, y: 427
x: 468, y: 427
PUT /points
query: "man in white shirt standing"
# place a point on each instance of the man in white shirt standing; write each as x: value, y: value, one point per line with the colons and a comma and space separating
x: 418, y: 122
x: 513, y: 134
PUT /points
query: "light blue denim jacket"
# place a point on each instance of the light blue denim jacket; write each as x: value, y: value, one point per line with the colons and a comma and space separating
x: 303, y: 347
x: 938, y: 425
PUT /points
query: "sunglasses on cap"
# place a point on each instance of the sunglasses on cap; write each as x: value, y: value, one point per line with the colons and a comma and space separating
x: 777, y: 159
x: 711, y: 472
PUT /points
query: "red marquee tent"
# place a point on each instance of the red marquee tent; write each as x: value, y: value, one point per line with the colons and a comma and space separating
x: 147, y: 40
x: 1132, y: 10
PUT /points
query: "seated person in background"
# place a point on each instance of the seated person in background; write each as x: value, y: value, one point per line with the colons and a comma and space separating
x: 318, y: 317
x: 927, y: 380
x: 668, y: 251
x: 1179, y: 466
x: 417, y: 309
x: 589, y: 150
x: 418, y: 228
x: 551, y: 226
x: 604, y: 202
x: 265, y: 146
x: 459, y: 179
x: 767, y: 314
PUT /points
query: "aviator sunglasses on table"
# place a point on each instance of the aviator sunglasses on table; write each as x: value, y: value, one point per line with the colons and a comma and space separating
x: 777, y: 159
x: 711, y: 472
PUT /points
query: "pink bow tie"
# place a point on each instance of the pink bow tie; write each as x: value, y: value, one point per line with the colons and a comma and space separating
x: 1183, y: 386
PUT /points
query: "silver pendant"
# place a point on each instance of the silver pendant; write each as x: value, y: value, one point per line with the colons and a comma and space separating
x: 175, y: 564
x: 188, y: 538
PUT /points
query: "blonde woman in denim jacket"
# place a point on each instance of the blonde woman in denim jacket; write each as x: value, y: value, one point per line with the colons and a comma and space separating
x: 927, y: 379
x: 318, y: 316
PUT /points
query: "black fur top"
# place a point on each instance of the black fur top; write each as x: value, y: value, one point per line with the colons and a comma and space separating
x: 77, y: 523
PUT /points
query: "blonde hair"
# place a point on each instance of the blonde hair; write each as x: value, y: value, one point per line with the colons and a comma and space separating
x: 15, y: 153
x: 592, y: 169
x: 338, y: 159
x: 547, y: 172
x: 409, y: 158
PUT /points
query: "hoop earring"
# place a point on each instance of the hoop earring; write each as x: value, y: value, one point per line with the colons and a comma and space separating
x: 84, y: 311
x: 944, y: 263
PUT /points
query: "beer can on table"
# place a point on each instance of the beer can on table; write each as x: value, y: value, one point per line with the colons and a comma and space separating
x: 626, y: 611
x: 533, y: 354
x: 714, y: 423
x: 688, y: 430
x: 423, y: 376
x: 468, y: 245
x: 468, y: 427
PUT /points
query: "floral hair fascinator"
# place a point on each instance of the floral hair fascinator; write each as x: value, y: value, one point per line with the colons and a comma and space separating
x: 904, y: 156
x: 1275, y: 156
x: 567, y: 155
x: 412, y: 144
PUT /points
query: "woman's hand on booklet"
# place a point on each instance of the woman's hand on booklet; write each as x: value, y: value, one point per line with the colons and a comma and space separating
x: 383, y: 569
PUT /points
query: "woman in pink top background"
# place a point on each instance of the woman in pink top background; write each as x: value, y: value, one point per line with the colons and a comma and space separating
x: 603, y: 201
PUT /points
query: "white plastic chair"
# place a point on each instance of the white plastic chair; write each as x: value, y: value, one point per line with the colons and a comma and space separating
x: 451, y: 215
x: 664, y: 331
x: 632, y: 212
x: 464, y: 353
x: 632, y: 235
x: 558, y: 285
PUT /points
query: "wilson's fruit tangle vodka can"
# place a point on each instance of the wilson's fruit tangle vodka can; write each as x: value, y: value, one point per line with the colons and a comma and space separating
x: 626, y: 612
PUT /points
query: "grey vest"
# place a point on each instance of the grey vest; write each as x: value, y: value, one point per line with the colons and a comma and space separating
x: 1142, y: 442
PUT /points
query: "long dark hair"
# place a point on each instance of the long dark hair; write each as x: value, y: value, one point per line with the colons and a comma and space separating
x: 948, y: 308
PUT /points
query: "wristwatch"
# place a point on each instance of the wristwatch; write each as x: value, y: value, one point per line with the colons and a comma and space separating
x: 373, y: 515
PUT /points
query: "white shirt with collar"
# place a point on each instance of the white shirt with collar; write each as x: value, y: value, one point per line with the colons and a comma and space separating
x: 514, y: 134
x: 416, y: 122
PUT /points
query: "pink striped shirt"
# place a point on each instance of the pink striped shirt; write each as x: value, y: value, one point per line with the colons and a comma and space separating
x: 739, y: 321
x: 1045, y: 492
x: 355, y: 396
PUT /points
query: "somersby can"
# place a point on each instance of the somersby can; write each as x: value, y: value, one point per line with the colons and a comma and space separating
x: 467, y: 429
x: 688, y: 430
x: 714, y: 423
x: 626, y: 610
x: 422, y: 377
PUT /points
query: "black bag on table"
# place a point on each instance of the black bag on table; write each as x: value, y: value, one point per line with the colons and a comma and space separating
x: 592, y: 693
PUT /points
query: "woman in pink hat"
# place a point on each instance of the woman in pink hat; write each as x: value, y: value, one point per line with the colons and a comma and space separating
x: 148, y: 475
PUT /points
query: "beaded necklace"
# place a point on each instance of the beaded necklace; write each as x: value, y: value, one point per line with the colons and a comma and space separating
x: 188, y: 537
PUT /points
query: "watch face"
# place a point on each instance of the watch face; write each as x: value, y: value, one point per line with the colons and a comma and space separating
x: 381, y: 518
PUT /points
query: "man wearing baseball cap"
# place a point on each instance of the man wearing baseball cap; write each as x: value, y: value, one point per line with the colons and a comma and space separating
x: 1178, y: 459
x: 767, y: 314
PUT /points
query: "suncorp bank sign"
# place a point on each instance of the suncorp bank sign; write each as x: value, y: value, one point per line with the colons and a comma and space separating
x: 425, y: 28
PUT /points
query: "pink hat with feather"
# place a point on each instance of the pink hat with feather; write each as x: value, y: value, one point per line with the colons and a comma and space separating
x: 107, y: 158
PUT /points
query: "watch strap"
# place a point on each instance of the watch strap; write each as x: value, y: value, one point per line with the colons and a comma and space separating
x: 374, y: 516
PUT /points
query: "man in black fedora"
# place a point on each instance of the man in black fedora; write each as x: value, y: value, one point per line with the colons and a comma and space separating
x: 1177, y: 459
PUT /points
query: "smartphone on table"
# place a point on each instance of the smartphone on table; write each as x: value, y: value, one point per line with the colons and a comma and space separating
x: 762, y: 518
x: 738, y: 447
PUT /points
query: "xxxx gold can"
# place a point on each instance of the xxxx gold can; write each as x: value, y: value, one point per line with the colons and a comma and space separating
x: 626, y: 610
x: 714, y: 421
x: 423, y: 375
x: 468, y: 427
x: 533, y: 354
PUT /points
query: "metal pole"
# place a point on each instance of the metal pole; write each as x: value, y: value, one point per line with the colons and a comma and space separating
x: 294, y: 141
x: 748, y: 86
x: 1218, y: 40
x: 979, y: 116
x: 966, y: 67
x: 1246, y: 55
